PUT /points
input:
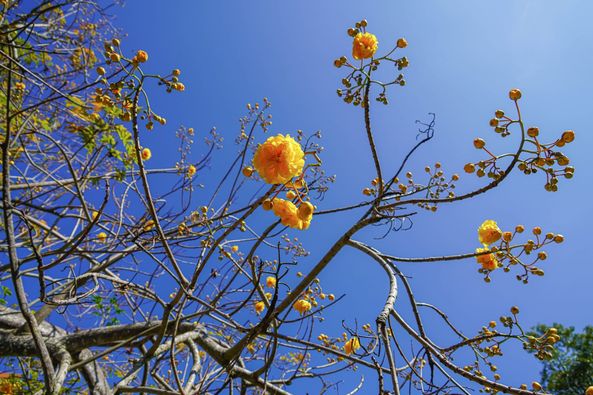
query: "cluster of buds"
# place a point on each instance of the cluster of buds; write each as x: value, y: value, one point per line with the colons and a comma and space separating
x: 296, y: 358
x: 542, y: 346
x: 437, y: 186
x: 543, y: 157
x: 364, y: 46
x: 172, y: 82
x: 552, y: 163
x: 527, y: 255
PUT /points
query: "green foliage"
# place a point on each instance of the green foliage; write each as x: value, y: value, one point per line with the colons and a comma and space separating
x: 107, y: 309
x: 570, y: 370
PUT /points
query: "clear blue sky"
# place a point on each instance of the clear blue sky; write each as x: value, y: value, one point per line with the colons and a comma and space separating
x: 464, y: 57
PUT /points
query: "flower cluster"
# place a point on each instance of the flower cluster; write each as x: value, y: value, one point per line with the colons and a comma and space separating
x: 504, y: 254
x: 540, y: 157
x: 365, y: 46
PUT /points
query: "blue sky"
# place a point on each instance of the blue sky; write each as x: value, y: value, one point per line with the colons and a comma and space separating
x: 464, y: 57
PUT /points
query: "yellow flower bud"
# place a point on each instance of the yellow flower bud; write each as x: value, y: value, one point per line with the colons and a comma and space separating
x: 515, y: 94
x: 533, y: 132
x: 479, y: 143
x: 141, y: 56
x: 515, y: 310
x: 568, y: 136
x: 469, y: 168
x: 267, y: 205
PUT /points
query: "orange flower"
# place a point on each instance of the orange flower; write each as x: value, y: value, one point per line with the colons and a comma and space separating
x: 364, y: 46
x: 279, y: 159
x: 302, y: 306
x: 489, y: 232
x: 488, y: 261
x: 351, y: 345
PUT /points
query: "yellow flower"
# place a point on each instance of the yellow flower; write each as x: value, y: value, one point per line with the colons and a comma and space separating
x: 287, y: 212
x: 364, y: 46
x: 260, y: 306
x: 146, y: 154
x: 102, y: 237
x: 270, y: 282
x: 291, y: 216
x: 488, y: 261
x: 279, y: 159
x: 191, y: 171
x: 235, y: 248
x: 351, y: 345
x: 302, y: 306
x: 489, y: 232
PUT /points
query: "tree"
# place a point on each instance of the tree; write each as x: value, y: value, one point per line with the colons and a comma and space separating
x: 113, y: 282
x: 570, y: 369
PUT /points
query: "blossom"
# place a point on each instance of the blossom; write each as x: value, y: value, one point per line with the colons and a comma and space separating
x: 291, y: 216
x: 260, y: 306
x: 191, y: 171
x: 287, y: 212
x: 102, y: 237
x: 146, y: 154
x: 489, y: 232
x: 488, y: 261
x: 279, y: 159
x: 302, y: 306
x: 364, y: 46
x: 270, y: 282
x: 351, y: 345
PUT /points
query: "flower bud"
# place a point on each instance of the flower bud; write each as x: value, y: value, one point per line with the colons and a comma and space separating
x: 247, y: 171
x: 515, y: 310
x: 568, y: 136
x: 515, y: 94
x: 533, y: 132
x: 469, y: 168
